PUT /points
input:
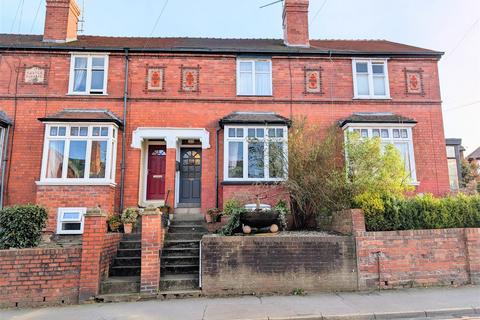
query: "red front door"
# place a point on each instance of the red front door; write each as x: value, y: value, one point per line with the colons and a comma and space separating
x: 157, y: 156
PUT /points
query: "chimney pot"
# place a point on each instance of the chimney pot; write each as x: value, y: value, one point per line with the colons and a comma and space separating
x: 295, y: 23
x: 61, y: 21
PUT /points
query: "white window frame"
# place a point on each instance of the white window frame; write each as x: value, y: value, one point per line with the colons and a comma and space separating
x: 409, y: 140
x: 60, y: 220
x: 369, y: 63
x: 244, y: 139
x: 88, y: 84
x: 253, y: 61
x: 110, y: 166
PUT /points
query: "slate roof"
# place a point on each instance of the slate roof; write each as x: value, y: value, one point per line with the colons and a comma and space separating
x: 375, y: 117
x: 4, y: 120
x: 263, y: 118
x: 217, y: 45
x: 474, y: 155
x: 82, y: 115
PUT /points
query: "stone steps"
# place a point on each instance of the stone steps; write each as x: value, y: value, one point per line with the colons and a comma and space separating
x: 179, y: 282
x: 184, y: 236
x: 120, y: 285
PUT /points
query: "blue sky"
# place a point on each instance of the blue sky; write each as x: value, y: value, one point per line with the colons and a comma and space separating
x: 452, y: 26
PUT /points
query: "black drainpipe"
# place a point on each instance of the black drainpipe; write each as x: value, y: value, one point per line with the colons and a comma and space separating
x: 4, y: 165
x: 124, y: 133
x: 216, y: 166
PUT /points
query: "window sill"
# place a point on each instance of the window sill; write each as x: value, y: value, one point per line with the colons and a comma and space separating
x: 75, y: 183
x: 415, y: 183
x: 372, y: 98
x: 87, y: 94
x: 250, y: 182
x: 255, y: 95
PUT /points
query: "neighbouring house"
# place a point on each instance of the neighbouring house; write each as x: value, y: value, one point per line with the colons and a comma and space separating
x: 190, y: 122
x: 475, y: 156
x: 455, y: 156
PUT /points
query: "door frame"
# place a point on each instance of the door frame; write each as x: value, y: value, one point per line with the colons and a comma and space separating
x: 145, y: 172
x: 181, y: 146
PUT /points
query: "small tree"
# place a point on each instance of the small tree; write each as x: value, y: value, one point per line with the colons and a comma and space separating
x: 470, y: 176
x: 316, y: 175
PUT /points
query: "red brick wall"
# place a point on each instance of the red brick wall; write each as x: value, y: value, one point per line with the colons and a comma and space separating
x: 418, y: 258
x: 152, y: 242
x: 216, y: 98
x: 35, y: 277
x: 54, y: 197
x: 110, y: 246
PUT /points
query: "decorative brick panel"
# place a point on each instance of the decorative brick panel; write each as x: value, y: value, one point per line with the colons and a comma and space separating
x: 151, y: 246
x: 95, y: 228
x: 39, y: 276
x: 279, y: 264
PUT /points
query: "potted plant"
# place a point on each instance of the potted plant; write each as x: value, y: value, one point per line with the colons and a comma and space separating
x: 114, y: 223
x: 129, y: 217
x: 213, y: 215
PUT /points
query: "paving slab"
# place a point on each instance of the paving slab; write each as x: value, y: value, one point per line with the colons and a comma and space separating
x: 375, y: 305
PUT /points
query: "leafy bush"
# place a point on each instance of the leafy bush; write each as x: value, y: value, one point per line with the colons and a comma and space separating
x: 129, y: 215
x: 235, y: 212
x: 114, y: 223
x: 21, y: 226
x: 421, y: 212
x: 230, y: 206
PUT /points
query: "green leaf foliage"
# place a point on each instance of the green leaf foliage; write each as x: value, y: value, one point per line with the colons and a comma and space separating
x: 420, y: 212
x: 21, y: 226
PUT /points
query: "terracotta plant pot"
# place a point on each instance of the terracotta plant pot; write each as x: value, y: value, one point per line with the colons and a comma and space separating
x: 127, y: 227
x: 208, y: 218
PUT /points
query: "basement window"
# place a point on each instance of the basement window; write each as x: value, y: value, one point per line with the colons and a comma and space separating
x: 79, y: 153
x: 88, y: 74
x: 70, y: 220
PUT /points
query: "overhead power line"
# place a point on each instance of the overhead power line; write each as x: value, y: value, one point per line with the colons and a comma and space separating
x: 465, y: 35
x: 36, y: 15
x: 156, y: 23
x: 318, y: 12
x: 463, y: 106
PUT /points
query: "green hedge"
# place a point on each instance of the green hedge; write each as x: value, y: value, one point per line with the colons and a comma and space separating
x: 21, y: 226
x: 421, y: 212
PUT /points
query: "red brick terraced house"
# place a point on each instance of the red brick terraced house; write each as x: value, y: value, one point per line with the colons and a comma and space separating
x: 121, y: 122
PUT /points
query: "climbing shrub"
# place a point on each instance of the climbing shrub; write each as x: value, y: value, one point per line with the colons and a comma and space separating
x: 21, y: 226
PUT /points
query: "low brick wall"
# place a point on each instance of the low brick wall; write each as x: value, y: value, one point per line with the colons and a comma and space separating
x: 395, y: 259
x: 278, y: 264
x: 40, y: 276
x: 110, y: 246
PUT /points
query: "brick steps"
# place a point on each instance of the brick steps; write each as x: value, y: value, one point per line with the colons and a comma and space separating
x: 120, y: 284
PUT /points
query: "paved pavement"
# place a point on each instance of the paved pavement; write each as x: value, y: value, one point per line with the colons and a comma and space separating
x: 409, y: 303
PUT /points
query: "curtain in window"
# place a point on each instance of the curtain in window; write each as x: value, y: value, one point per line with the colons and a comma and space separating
x: 55, y: 159
x: 276, y: 160
x: 262, y: 78
x: 362, y: 79
x: 246, y: 78
x: 404, y: 152
x: 235, y: 159
x: 80, y: 77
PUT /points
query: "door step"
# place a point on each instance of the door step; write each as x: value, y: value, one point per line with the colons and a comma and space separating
x: 187, y: 211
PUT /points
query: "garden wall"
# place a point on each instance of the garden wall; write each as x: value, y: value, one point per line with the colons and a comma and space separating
x: 278, y: 264
x: 110, y: 246
x: 395, y: 259
x: 34, y: 277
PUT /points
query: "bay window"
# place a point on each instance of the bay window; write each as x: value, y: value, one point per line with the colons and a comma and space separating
x: 370, y: 79
x: 88, y: 74
x: 398, y: 136
x: 256, y: 153
x: 79, y: 153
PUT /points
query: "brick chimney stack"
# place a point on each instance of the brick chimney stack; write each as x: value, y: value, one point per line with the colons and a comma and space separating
x: 295, y: 23
x: 61, y: 21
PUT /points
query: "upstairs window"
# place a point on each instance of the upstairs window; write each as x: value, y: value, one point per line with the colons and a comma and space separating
x: 88, y: 74
x: 255, y: 153
x: 79, y: 153
x: 370, y: 79
x: 254, y: 77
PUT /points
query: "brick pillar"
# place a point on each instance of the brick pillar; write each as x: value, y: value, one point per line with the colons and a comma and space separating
x: 472, y: 239
x: 151, y: 245
x: 94, y: 230
x: 358, y: 220
x: 170, y: 176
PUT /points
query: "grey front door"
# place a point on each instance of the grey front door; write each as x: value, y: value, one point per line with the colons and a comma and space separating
x: 190, y: 175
